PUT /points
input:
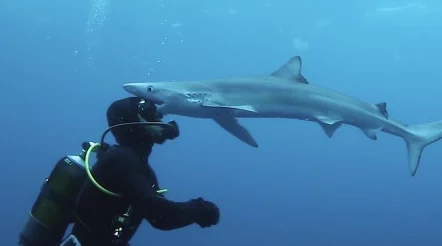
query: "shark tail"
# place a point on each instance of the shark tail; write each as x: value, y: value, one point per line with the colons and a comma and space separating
x: 421, y: 136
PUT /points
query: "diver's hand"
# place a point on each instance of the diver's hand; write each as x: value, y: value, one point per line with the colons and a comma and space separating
x: 173, y: 131
x: 208, y: 213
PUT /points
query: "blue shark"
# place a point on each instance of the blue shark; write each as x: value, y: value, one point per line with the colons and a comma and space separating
x: 285, y: 93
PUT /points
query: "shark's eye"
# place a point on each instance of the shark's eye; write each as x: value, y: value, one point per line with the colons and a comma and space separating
x: 150, y: 89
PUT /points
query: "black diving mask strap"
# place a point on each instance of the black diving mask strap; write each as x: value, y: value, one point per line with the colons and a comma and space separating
x: 162, y: 124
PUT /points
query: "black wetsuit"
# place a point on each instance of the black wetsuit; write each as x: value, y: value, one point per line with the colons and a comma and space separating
x: 123, y: 170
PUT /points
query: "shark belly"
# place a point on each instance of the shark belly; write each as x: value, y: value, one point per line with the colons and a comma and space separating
x: 332, y: 109
x: 327, y: 108
x: 188, y: 110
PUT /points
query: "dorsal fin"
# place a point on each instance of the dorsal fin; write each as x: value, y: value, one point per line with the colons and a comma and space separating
x: 382, y: 109
x: 291, y: 70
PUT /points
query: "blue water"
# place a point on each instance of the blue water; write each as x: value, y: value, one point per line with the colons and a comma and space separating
x: 63, y: 62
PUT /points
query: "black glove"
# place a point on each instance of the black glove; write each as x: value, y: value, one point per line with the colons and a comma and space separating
x: 207, y: 214
x: 171, y: 132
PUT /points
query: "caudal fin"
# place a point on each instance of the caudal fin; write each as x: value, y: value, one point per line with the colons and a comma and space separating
x: 422, y: 135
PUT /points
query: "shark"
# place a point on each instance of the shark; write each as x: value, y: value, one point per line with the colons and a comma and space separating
x: 285, y: 93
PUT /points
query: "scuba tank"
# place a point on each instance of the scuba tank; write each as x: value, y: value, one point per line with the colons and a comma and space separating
x: 53, y: 210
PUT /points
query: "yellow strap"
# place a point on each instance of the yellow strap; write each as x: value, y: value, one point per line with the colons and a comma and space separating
x: 91, y: 149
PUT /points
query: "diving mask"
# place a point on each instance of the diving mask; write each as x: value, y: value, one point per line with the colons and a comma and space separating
x: 147, y: 112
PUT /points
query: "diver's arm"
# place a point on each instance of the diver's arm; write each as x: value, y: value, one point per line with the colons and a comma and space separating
x: 168, y: 215
x: 160, y: 212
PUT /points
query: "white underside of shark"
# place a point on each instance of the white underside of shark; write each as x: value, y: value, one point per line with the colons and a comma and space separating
x: 283, y: 94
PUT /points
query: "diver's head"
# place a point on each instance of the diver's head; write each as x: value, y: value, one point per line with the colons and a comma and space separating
x: 133, y: 110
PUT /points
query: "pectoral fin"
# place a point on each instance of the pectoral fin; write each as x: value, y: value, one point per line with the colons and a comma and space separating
x: 232, y: 125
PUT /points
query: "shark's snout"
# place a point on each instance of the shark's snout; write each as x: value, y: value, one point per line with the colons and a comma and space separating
x: 132, y: 88
x: 143, y: 91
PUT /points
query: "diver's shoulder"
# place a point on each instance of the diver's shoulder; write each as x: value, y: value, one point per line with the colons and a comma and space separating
x: 116, y: 152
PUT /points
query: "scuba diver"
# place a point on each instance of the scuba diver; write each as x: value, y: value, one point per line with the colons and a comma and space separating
x: 122, y: 189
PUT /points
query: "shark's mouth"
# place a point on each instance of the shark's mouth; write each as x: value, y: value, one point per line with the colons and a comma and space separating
x: 161, y: 107
x: 157, y: 101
